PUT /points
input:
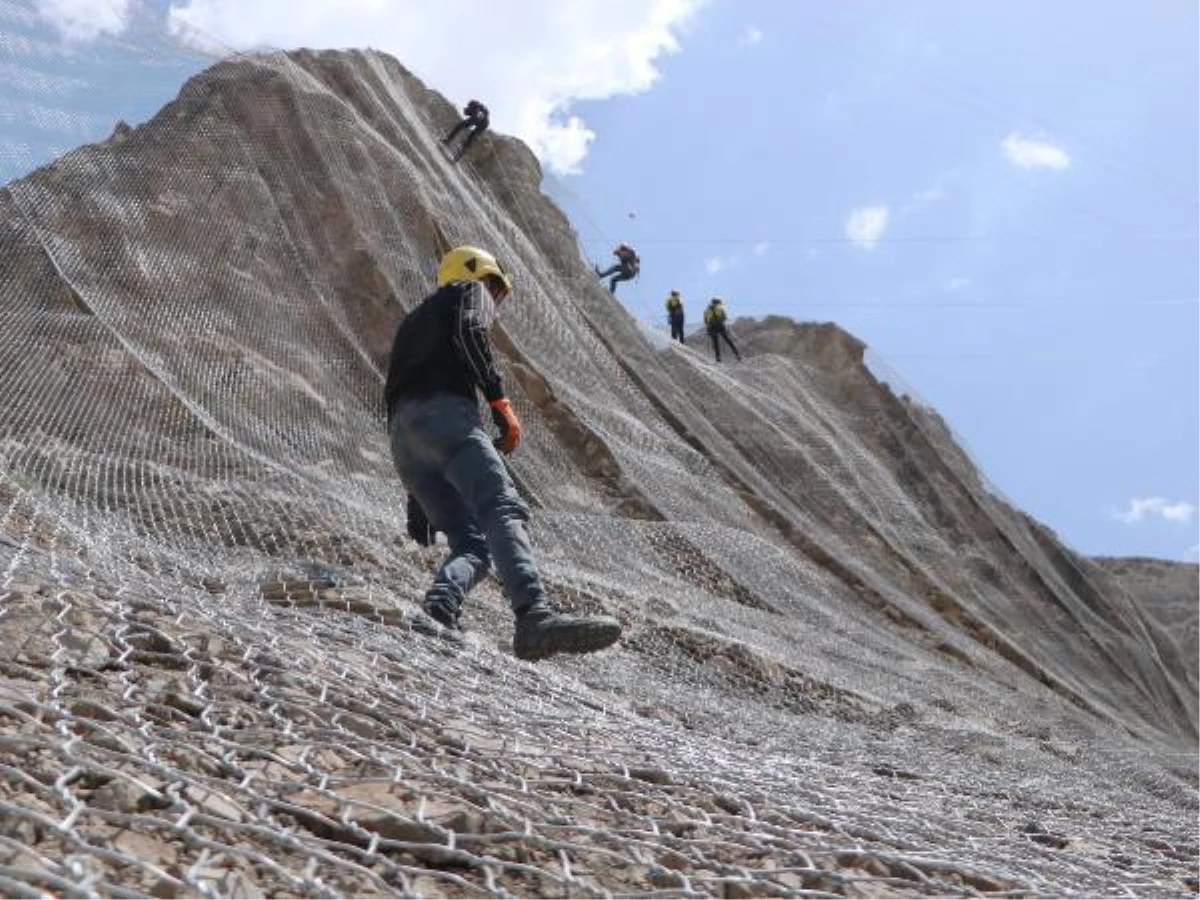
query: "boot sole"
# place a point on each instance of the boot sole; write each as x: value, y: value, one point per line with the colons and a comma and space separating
x: 425, y: 624
x: 585, y: 642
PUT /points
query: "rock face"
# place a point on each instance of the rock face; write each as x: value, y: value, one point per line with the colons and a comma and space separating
x: 1168, y: 592
x: 850, y: 667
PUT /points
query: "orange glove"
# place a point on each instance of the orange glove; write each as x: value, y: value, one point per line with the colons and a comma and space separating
x: 510, y: 426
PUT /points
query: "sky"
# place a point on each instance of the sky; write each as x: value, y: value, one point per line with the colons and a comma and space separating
x: 1001, y: 199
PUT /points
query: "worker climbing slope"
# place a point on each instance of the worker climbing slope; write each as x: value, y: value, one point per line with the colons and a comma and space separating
x: 714, y: 321
x: 475, y: 118
x: 625, y: 268
x: 675, y: 315
x: 441, y: 356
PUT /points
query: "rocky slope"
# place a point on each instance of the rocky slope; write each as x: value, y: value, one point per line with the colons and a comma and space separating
x: 850, y: 667
x: 1168, y: 592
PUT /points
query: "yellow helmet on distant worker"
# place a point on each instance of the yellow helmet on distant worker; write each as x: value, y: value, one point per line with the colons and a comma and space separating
x: 470, y: 264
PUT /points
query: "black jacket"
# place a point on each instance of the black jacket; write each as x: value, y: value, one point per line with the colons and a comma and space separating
x: 477, y: 113
x: 443, y: 345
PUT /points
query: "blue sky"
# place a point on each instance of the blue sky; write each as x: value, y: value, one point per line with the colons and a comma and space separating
x: 1045, y: 302
x: 999, y: 198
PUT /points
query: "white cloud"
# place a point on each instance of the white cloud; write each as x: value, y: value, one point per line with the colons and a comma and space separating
x: 956, y: 284
x: 85, y: 20
x: 750, y: 36
x: 1140, y: 508
x: 1032, y: 154
x: 865, y: 226
x: 529, y: 62
x: 718, y: 263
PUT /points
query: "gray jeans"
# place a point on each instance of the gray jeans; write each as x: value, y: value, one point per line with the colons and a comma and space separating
x: 447, y: 461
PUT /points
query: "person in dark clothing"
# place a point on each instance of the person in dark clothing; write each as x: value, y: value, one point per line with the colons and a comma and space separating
x: 675, y: 316
x: 475, y: 117
x: 714, y: 321
x: 441, y: 356
x: 626, y: 267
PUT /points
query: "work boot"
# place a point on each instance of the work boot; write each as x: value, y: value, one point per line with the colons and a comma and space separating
x: 542, y: 632
x: 442, y: 610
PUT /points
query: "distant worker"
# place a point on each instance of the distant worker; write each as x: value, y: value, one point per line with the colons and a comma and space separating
x: 626, y: 267
x: 714, y: 321
x: 475, y: 117
x: 441, y: 355
x: 675, y: 315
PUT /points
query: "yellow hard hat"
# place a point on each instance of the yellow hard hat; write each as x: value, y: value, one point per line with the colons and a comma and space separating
x: 471, y: 264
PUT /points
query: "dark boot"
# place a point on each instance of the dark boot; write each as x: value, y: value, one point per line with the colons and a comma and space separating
x: 542, y: 632
x: 442, y: 610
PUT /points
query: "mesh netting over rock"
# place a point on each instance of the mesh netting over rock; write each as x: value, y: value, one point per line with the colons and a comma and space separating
x: 850, y: 667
